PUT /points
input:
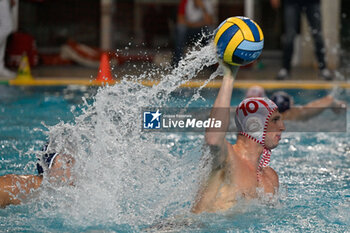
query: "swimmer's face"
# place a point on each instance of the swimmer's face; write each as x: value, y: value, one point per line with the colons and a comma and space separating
x: 274, y: 130
x: 60, y: 171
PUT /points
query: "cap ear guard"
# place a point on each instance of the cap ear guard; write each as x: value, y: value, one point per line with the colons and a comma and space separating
x: 254, y: 126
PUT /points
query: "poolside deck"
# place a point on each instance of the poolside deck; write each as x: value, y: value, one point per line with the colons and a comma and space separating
x: 263, y: 73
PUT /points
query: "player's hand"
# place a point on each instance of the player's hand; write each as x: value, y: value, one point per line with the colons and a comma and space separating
x: 338, y: 106
x: 199, y: 4
x: 275, y: 4
x: 207, y: 20
x: 229, y: 70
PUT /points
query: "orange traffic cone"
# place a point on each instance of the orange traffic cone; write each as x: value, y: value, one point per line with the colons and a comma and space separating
x: 24, y: 69
x: 104, y: 72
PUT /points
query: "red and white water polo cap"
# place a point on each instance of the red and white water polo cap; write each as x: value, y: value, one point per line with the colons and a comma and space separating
x: 252, y: 117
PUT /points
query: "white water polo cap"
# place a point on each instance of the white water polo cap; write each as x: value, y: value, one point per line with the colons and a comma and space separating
x: 252, y: 117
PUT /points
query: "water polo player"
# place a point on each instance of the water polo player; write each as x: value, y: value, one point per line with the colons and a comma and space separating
x: 289, y: 111
x: 57, y: 168
x: 238, y: 170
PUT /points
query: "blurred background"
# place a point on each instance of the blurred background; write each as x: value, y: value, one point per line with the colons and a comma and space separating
x: 140, y: 28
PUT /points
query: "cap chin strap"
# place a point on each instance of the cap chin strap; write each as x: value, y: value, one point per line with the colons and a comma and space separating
x: 264, y: 162
x: 264, y: 157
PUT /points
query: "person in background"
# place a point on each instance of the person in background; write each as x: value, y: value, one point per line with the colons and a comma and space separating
x: 292, y: 14
x: 289, y: 111
x: 255, y: 91
x: 194, y: 17
x: 6, y: 27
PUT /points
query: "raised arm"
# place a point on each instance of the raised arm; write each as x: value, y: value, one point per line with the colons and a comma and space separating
x: 215, y: 138
x: 314, y: 108
x: 14, y: 188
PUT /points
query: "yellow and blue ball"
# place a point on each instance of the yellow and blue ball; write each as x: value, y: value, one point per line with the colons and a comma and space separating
x: 239, y: 41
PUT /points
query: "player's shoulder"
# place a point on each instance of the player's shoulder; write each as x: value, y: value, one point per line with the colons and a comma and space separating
x: 270, y: 173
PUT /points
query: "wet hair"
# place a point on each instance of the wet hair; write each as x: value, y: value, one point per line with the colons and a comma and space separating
x: 45, y: 160
x: 282, y: 100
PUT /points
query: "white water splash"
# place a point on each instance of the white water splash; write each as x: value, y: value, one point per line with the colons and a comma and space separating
x: 125, y: 175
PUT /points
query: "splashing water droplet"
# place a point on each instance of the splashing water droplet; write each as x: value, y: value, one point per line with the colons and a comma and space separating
x: 122, y: 174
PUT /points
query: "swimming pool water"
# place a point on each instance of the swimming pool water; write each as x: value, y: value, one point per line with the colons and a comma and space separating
x: 313, y: 168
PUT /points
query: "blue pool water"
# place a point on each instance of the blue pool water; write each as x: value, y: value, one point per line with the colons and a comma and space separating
x: 130, y: 183
x: 129, y: 180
